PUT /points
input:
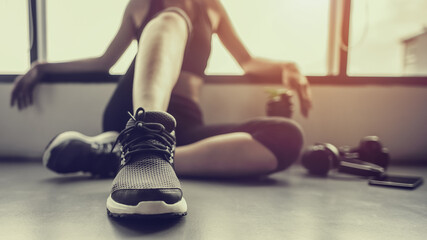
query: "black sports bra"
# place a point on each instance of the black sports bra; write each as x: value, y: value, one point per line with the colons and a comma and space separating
x: 198, y: 46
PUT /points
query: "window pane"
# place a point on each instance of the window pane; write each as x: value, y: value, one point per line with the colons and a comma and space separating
x: 290, y: 30
x: 81, y: 28
x: 14, y: 41
x: 388, y: 38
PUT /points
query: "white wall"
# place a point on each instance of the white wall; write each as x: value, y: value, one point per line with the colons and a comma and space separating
x: 341, y: 115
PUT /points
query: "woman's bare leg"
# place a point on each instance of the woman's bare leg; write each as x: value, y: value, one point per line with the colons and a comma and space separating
x: 227, y: 155
x: 159, y: 60
x: 147, y: 186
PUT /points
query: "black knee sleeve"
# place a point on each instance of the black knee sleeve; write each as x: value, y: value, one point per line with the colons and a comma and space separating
x: 283, y: 137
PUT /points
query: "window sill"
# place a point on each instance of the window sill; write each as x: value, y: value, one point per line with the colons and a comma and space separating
x: 97, y: 77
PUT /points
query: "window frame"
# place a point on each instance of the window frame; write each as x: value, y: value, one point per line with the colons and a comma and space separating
x: 339, y: 29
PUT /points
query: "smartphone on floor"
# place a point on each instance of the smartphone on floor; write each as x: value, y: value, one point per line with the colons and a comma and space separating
x: 396, y: 181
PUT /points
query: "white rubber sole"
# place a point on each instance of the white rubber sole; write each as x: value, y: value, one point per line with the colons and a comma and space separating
x: 101, y: 138
x: 148, y: 208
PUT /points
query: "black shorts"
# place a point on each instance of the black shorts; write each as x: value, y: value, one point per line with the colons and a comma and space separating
x: 190, y: 126
x: 282, y: 136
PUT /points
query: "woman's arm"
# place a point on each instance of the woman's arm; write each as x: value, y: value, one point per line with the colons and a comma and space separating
x: 114, y: 51
x: 289, y: 72
x: 22, y: 93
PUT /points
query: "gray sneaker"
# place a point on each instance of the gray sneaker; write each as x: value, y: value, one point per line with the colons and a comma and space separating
x: 146, y: 184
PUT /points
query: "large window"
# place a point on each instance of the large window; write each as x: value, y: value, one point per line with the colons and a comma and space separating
x: 388, y: 38
x: 289, y: 30
x: 333, y: 41
x: 14, y: 40
x: 81, y: 28
x: 274, y: 29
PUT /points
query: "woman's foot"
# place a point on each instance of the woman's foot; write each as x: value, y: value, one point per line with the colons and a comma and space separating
x: 71, y: 152
x: 146, y: 184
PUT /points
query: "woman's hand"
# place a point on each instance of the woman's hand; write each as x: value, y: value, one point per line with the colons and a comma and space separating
x: 22, y: 93
x: 293, y: 79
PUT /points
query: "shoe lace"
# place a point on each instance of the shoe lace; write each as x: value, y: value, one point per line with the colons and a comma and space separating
x: 139, y: 139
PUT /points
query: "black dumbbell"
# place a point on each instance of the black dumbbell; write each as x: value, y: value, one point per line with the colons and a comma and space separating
x: 369, y: 159
x: 369, y: 150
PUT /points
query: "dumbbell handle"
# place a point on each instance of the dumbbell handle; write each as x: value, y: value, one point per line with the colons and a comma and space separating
x: 361, y: 168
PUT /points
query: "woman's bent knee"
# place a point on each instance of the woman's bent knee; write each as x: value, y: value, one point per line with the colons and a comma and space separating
x: 283, y: 137
x: 169, y: 20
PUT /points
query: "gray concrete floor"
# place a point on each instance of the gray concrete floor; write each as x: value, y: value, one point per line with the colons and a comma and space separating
x: 38, y: 204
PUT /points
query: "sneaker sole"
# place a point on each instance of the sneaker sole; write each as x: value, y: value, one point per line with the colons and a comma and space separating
x: 56, y: 141
x: 146, y: 209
